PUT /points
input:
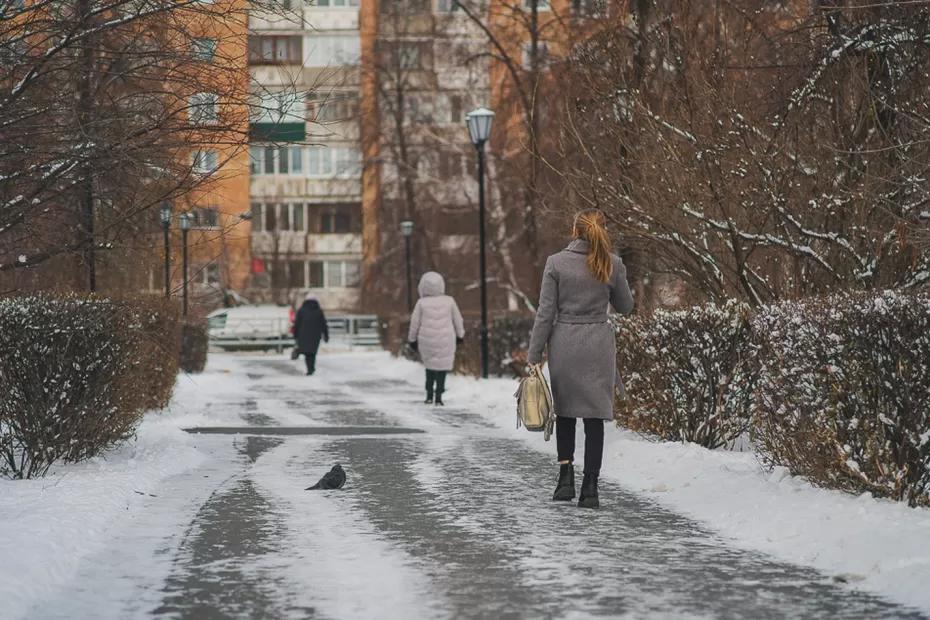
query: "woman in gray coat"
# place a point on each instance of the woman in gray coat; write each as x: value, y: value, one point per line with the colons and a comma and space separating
x: 435, y: 328
x: 578, y: 284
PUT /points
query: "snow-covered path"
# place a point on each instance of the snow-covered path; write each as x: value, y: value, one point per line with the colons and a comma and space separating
x: 442, y: 516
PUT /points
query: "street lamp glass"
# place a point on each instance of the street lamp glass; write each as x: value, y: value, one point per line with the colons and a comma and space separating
x: 166, y: 214
x: 479, y: 125
x: 406, y: 228
x: 185, y: 221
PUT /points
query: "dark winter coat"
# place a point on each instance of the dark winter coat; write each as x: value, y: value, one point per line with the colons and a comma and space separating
x: 310, y: 327
x: 572, y: 320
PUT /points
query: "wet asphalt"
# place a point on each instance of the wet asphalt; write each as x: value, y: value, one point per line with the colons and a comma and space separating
x: 468, y: 510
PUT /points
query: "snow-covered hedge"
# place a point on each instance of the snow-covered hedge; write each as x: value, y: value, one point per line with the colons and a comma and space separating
x: 77, y: 374
x: 683, y: 374
x: 844, y: 392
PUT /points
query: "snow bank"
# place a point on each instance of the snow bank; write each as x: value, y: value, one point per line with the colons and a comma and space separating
x: 51, y: 524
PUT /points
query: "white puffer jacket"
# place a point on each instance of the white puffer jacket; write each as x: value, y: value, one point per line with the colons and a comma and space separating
x: 436, y: 323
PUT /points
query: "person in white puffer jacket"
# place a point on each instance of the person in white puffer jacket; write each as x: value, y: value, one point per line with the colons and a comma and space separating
x: 436, y: 327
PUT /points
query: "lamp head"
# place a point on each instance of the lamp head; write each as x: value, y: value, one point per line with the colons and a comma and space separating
x: 186, y: 221
x: 165, y: 213
x: 406, y: 228
x: 479, y: 125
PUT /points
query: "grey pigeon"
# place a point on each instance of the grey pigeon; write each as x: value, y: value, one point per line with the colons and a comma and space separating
x: 334, y: 479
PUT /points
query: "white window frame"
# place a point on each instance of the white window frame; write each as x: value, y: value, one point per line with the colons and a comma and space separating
x: 204, y: 108
x: 200, y: 160
x: 330, y: 267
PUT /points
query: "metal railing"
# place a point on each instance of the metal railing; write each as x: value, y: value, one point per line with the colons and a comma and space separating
x: 262, y: 334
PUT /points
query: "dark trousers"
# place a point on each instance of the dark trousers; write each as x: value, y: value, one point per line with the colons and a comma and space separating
x: 435, y: 382
x: 310, y: 359
x: 593, y: 441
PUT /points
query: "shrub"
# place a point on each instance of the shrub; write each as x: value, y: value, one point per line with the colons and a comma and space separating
x: 683, y: 374
x: 844, y: 392
x: 194, y: 345
x: 77, y: 374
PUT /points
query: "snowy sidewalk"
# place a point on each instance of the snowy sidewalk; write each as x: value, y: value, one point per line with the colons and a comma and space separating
x: 451, y: 521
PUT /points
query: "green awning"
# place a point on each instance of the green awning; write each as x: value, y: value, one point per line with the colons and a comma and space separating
x: 277, y: 132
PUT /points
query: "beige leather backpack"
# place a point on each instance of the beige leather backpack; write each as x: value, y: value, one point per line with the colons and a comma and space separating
x: 534, y: 402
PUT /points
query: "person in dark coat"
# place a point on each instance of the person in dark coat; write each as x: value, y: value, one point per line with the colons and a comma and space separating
x: 309, y: 329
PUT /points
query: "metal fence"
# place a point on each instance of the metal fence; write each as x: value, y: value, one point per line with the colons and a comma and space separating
x: 262, y: 334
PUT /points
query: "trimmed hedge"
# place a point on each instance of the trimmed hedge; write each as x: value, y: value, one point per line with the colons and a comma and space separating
x: 835, y: 389
x: 77, y: 374
x: 844, y: 392
x: 684, y: 376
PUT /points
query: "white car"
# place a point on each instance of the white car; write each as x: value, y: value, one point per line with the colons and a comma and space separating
x: 251, y: 327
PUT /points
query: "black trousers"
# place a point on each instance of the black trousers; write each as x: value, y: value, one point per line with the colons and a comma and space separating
x: 593, y: 441
x: 435, y: 382
x: 310, y: 359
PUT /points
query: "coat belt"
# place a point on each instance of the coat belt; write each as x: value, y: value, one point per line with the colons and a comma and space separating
x: 581, y: 318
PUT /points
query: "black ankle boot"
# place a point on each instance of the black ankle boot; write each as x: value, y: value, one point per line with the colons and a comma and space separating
x: 429, y: 398
x: 588, y: 497
x: 565, y: 488
x: 439, y: 398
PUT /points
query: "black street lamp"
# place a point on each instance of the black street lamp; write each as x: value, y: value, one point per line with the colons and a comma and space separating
x: 185, y: 228
x: 406, y: 229
x: 166, y: 228
x: 479, y: 129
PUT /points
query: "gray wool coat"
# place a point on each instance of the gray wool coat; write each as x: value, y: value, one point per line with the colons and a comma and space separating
x: 572, y: 320
x: 436, y: 323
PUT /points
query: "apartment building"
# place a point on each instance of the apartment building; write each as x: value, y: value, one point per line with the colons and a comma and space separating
x: 422, y: 70
x: 305, y: 157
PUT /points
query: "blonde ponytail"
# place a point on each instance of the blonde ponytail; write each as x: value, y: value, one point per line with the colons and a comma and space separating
x: 591, y: 225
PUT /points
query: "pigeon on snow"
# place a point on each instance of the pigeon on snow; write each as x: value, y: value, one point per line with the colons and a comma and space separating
x: 334, y: 479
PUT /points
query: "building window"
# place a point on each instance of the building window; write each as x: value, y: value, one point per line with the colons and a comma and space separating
x: 447, y: 6
x: 208, y: 275
x: 275, y: 50
x: 589, y: 8
x: 542, y: 55
x: 296, y: 274
x: 271, y: 220
x: 334, y: 274
x: 296, y: 155
x: 256, y: 159
x: 332, y: 108
x: 203, y: 49
x: 205, y: 217
x: 298, y: 220
x: 269, y: 159
x: 336, y: 3
x: 336, y: 219
x: 257, y: 219
x: 316, y: 274
x: 205, y: 161
x: 409, y: 55
x: 541, y: 5
x: 204, y: 108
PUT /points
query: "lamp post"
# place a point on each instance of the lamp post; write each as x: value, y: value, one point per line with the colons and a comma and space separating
x: 479, y: 129
x: 166, y: 228
x: 406, y: 229
x: 185, y: 228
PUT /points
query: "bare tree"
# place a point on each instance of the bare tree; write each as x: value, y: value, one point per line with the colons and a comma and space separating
x: 755, y: 150
x: 108, y: 108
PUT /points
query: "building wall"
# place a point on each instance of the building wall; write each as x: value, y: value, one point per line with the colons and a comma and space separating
x: 306, y: 215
